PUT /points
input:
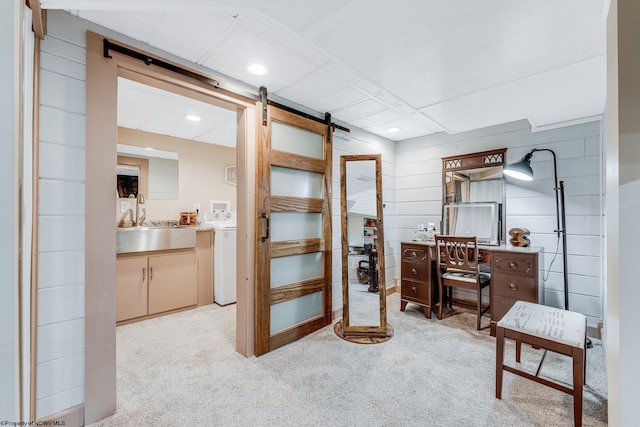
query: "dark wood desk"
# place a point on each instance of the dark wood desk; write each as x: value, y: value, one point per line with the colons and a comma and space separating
x: 516, y: 274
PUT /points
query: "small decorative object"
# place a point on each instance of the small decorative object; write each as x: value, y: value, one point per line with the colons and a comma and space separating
x: 422, y: 235
x: 519, y: 237
x: 188, y: 218
x: 231, y: 175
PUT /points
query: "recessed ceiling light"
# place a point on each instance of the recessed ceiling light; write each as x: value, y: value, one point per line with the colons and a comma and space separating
x: 192, y: 117
x: 257, y: 69
x: 393, y: 130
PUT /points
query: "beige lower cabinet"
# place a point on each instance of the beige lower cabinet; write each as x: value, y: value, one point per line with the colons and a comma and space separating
x: 172, y: 282
x: 155, y: 283
x: 204, y: 255
x: 131, y: 287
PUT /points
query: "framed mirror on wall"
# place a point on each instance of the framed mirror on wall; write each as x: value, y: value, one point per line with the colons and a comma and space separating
x: 474, y: 196
x: 364, y: 311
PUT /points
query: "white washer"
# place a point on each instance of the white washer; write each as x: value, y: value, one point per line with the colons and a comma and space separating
x: 224, y: 261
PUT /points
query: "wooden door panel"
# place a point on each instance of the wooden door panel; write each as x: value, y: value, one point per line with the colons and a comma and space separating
x: 298, y: 131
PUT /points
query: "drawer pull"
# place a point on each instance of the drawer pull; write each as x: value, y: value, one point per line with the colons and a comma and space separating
x: 414, y: 289
x: 513, y: 265
x: 513, y: 286
x: 414, y: 271
x: 414, y: 254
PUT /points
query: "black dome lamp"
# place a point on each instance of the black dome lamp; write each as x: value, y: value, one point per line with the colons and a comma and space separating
x: 522, y: 170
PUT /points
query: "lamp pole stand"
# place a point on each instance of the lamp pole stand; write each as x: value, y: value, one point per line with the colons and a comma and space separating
x: 563, y: 231
x: 522, y: 170
x: 561, y: 219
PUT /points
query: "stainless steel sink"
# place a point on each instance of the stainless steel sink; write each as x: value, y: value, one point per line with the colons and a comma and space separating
x: 142, y: 239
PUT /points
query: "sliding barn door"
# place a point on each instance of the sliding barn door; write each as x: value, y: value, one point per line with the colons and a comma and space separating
x: 293, y: 223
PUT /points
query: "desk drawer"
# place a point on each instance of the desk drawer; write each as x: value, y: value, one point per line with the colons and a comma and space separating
x: 514, y: 264
x: 514, y: 286
x: 415, y: 271
x: 414, y: 253
x: 415, y: 291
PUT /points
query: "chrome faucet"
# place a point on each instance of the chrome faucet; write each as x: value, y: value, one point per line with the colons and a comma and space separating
x: 140, y: 218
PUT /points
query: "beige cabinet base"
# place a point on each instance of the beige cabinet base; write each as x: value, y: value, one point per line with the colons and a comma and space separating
x: 131, y: 288
x: 149, y: 284
x: 172, y: 282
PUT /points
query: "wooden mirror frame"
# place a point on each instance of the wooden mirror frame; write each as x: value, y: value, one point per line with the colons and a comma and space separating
x: 362, y: 333
x: 479, y: 160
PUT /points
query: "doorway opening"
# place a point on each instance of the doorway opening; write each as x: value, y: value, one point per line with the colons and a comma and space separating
x: 101, y: 204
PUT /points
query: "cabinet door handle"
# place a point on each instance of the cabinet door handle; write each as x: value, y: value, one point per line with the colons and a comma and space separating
x: 513, y: 265
x: 513, y: 286
x: 150, y: 273
x: 414, y: 271
x: 144, y: 274
x: 414, y: 289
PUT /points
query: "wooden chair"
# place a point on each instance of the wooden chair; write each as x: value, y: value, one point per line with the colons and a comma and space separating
x: 457, y: 266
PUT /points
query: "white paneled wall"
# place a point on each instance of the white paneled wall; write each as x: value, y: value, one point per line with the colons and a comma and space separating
x: 529, y: 204
x: 10, y: 29
x: 361, y: 142
x: 60, y: 363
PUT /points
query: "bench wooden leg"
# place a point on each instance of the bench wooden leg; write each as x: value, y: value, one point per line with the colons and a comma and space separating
x: 578, y: 381
x: 499, y: 360
x: 518, y: 350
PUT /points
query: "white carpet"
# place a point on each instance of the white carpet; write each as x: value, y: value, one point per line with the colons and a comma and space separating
x: 182, y: 369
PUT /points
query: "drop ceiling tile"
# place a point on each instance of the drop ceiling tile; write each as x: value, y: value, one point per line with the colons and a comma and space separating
x: 304, y: 16
x: 221, y: 135
x: 296, y: 95
x: 319, y: 83
x: 189, y: 34
x: 342, y: 71
x: 264, y: 28
x: 402, y: 123
x: 405, y: 109
x: 428, y: 54
x: 321, y: 106
x: 363, y: 123
x: 345, y: 114
x: 384, y: 116
x: 388, y: 99
x: 423, y: 118
x: 135, y: 25
x: 346, y: 96
x: 238, y: 48
x: 529, y: 98
x: 367, y: 107
x: 369, y: 87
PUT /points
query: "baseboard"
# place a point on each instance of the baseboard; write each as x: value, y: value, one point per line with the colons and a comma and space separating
x: 72, y: 417
x: 595, y: 331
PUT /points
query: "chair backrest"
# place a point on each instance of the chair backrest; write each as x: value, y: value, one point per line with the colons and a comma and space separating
x: 457, y: 253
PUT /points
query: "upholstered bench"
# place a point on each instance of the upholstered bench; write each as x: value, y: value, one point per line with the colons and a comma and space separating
x: 549, y: 328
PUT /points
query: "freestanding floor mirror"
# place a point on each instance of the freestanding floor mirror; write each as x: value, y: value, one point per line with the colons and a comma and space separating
x: 364, y: 308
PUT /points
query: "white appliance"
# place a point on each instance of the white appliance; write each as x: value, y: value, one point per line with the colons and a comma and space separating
x: 224, y: 256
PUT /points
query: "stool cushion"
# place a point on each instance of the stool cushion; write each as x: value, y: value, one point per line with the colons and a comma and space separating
x: 566, y: 327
